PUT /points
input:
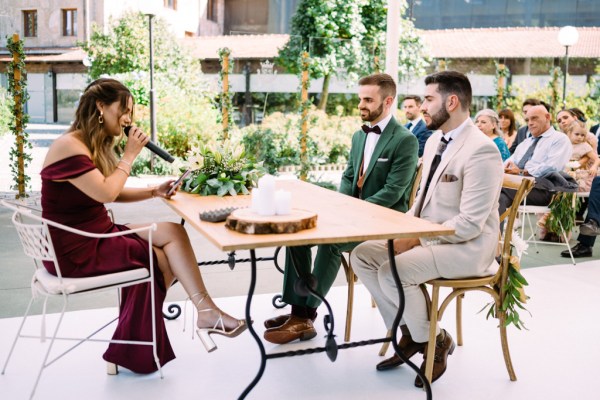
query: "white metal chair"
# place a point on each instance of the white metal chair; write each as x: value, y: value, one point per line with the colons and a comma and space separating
x: 525, y: 213
x: 36, y: 241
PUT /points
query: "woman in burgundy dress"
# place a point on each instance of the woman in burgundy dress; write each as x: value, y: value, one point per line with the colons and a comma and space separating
x: 81, y: 172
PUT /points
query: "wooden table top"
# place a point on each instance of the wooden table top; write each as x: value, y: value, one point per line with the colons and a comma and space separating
x: 340, y: 219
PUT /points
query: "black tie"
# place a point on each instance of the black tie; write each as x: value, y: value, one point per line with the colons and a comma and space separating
x: 436, y: 161
x: 529, y: 153
x: 375, y: 129
x: 409, y: 125
x: 434, y: 164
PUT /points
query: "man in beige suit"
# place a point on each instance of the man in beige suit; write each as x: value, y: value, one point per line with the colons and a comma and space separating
x: 461, y: 183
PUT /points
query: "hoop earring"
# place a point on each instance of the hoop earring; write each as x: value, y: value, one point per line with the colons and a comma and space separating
x: 101, y: 118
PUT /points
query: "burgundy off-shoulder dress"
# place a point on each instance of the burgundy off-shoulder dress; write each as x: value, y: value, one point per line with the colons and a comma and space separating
x: 81, y: 257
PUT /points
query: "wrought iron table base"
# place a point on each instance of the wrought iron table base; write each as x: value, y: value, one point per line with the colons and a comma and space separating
x: 331, y: 347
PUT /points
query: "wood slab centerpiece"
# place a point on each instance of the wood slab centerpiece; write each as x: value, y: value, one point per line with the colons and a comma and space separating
x: 244, y: 220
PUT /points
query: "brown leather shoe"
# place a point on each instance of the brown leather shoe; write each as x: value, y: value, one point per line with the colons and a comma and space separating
x: 444, y: 345
x: 280, y: 320
x: 276, y: 321
x: 409, y: 348
x: 294, y: 328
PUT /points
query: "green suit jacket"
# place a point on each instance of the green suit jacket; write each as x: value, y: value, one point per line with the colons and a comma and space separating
x: 389, y: 176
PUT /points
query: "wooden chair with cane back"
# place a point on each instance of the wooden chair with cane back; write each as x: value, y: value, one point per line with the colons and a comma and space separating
x: 351, y: 277
x: 493, y: 285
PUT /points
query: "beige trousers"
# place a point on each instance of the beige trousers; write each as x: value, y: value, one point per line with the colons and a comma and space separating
x: 371, y: 264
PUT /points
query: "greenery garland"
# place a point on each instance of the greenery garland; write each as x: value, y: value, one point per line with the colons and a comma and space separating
x: 563, y: 208
x: 303, y: 139
x: 226, y: 98
x: 514, y: 296
x: 500, y: 102
x: 555, y: 95
x: 18, y: 90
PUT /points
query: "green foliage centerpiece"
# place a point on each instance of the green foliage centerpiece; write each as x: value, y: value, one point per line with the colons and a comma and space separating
x: 220, y: 168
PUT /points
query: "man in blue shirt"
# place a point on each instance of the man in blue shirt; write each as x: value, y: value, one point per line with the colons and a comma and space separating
x: 546, y: 151
x: 411, y: 107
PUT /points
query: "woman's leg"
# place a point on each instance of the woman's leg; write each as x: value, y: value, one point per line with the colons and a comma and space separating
x: 176, y: 259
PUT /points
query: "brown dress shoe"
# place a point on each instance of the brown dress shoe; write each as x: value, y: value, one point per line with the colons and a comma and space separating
x: 444, y: 345
x: 294, y: 328
x: 276, y: 321
x: 280, y: 320
x: 409, y: 348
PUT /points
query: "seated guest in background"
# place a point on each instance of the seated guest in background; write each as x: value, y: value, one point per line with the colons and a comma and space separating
x: 595, y: 130
x: 584, y: 155
x: 81, y: 173
x: 591, y: 228
x: 415, y: 124
x: 546, y: 151
x: 567, y: 116
x: 487, y: 121
x: 523, y: 132
x: 508, y: 126
x: 461, y: 183
x: 382, y: 163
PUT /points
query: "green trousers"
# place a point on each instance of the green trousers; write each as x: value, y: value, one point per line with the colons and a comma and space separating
x: 327, y: 265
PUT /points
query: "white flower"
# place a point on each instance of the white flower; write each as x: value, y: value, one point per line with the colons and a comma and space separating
x: 196, y: 162
x: 519, y: 244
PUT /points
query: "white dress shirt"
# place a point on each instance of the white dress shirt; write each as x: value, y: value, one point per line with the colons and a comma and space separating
x: 372, y: 140
x: 453, y: 134
x: 551, y: 153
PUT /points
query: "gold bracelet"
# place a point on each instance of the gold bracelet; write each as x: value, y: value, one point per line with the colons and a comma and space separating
x: 125, y: 162
x: 123, y: 169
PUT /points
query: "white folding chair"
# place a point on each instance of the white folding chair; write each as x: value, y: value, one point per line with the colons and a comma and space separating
x: 36, y: 241
x: 525, y: 213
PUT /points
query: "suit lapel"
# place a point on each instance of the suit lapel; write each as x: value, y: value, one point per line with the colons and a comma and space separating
x: 448, y: 156
x: 383, y: 141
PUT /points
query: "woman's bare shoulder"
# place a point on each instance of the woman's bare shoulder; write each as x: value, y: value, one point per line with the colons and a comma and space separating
x: 66, y: 145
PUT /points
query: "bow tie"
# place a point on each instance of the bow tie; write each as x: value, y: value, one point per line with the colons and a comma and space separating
x: 375, y: 129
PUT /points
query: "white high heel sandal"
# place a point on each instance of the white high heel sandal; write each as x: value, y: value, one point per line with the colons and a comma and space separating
x: 218, y: 328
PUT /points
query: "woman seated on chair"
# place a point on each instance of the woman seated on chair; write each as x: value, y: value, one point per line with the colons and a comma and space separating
x: 81, y: 172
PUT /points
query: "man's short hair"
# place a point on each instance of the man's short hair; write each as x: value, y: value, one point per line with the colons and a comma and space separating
x: 531, y: 102
x: 387, y: 86
x: 452, y: 82
x: 414, y: 97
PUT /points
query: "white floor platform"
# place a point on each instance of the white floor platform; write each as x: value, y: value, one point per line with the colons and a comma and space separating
x: 557, y: 358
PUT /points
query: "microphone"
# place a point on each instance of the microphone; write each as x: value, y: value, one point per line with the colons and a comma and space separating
x: 162, y: 153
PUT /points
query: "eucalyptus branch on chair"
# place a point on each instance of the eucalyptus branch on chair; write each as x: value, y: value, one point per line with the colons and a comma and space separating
x: 563, y: 208
x: 514, y: 288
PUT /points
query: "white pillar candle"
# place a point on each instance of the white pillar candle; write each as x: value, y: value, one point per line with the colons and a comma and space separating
x: 266, y: 196
x: 283, y: 202
x: 254, y: 199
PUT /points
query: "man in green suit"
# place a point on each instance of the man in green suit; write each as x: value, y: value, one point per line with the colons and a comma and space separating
x: 381, y: 167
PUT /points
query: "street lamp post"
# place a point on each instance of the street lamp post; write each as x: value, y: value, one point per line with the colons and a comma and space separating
x: 567, y: 36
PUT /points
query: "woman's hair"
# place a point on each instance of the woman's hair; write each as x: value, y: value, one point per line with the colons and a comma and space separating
x: 575, y: 113
x: 491, y: 114
x: 508, y: 114
x: 106, y: 91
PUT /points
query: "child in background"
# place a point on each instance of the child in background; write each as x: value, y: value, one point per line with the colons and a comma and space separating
x: 584, y: 160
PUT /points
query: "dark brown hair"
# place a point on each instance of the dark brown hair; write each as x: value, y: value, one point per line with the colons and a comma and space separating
x: 508, y: 114
x: 387, y: 86
x: 414, y: 97
x: 452, y: 82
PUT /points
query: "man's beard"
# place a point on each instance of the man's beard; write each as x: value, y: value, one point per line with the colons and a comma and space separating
x: 438, y: 119
x: 373, y: 115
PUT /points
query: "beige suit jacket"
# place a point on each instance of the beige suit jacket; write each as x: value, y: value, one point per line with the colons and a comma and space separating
x: 463, y: 195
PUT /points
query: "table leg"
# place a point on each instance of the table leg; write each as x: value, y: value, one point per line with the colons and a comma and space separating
x: 392, y: 257
x: 261, y: 347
